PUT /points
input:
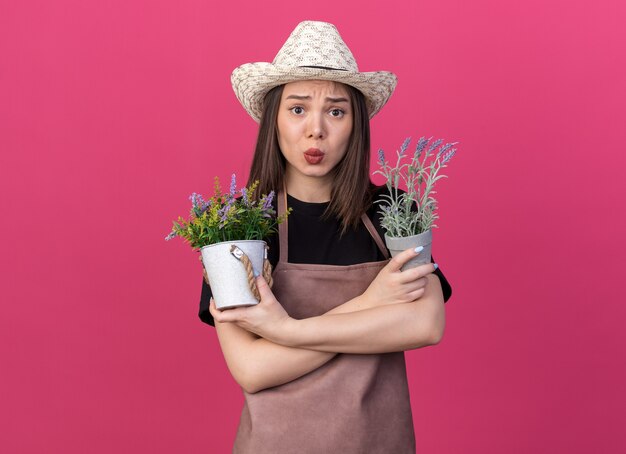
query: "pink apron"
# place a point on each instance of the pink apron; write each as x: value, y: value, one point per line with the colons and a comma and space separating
x: 355, y: 403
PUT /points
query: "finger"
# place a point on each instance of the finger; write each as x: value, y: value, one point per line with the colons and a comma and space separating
x: 417, y: 284
x: 215, y: 312
x: 212, y: 308
x: 419, y: 271
x: 403, y: 257
x: 264, y: 289
x: 414, y: 285
x: 206, y: 276
x: 413, y: 274
x: 412, y: 296
x: 224, y: 316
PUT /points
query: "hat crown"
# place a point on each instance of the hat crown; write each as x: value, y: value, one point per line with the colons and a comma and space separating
x: 317, y: 44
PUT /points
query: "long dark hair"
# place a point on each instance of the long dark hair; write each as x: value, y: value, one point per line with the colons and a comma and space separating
x: 351, y: 192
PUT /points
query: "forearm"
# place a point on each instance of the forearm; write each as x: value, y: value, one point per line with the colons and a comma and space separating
x: 396, y: 327
x: 257, y: 363
x: 273, y: 364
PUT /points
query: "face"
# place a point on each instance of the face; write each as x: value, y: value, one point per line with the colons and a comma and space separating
x: 314, y: 125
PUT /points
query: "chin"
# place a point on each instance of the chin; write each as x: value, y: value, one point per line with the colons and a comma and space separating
x: 317, y: 171
x: 314, y: 170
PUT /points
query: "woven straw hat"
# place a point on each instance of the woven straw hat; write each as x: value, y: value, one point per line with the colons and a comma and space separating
x: 314, y: 50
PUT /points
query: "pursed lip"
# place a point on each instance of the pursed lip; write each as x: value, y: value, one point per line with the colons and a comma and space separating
x: 314, y: 152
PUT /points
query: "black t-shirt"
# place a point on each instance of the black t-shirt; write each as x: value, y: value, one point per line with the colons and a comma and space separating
x: 318, y: 241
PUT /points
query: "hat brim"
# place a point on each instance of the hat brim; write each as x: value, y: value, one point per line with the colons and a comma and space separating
x: 252, y: 81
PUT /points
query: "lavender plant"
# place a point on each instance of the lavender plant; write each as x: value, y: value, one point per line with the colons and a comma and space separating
x: 224, y: 217
x: 399, y: 219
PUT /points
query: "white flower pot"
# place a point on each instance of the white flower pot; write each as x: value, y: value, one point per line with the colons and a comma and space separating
x: 397, y: 245
x: 227, y: 275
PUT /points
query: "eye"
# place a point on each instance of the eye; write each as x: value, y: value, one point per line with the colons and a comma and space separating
x: 298, y: 110
x: 338, y: 113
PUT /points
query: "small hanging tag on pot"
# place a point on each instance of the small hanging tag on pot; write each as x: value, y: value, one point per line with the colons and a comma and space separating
x: 236, y: 252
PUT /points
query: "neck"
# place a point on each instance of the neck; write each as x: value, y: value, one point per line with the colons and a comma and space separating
x: 308, y: 189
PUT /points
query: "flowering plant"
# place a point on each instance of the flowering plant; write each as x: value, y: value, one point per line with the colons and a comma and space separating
x: 398, y: 217
x: 224, y: 217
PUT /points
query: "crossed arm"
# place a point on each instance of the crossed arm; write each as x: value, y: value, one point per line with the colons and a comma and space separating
x: 257, y: 363
x: 381, y: 329
x: 364, y: 324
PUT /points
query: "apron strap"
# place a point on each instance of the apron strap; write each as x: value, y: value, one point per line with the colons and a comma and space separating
x: 283, y: 229
x: 374, y: 233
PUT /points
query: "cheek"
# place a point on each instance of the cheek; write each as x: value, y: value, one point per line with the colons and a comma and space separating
x: 346, y: 140
x: 284, y: 140
x: 286, y: 133
x: 286, y: 148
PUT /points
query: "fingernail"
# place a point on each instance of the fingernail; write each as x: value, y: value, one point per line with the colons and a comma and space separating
x: 419, y: 248
x: 435, y: 265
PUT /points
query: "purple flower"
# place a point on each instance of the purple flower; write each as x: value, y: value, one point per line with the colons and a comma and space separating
x: 448, y: 156
x: 421, y: 143
x: 381, y: 157
x: 404, y: 146
x: 223, y: 212
x: 435, y: 144
x: 233, y: 187
x: 198, y: 205
x: 445, y: 148
x: 268, y: 201
x: 245, y: 197
x: 194, y: 199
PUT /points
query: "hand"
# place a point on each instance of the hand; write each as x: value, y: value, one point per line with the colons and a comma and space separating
x: 393, y: 286
x: 268, y: 318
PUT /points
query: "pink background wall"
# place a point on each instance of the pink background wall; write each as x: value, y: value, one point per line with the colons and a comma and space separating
x: 112, y: 113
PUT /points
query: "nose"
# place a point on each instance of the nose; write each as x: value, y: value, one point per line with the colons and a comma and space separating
x: 315, y: 127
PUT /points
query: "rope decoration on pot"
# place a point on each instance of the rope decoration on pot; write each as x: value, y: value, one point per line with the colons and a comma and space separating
x: 267, y: 269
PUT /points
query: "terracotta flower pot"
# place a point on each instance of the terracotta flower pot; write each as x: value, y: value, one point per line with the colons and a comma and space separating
x: 228, y: 277
x: 397, y: 245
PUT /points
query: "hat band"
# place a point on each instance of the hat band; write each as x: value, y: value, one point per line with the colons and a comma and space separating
x: 323, y: 67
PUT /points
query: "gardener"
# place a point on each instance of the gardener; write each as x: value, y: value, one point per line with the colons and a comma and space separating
x: 321, y: 358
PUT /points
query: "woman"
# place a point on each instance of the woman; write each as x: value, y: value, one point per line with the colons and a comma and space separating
x: 321, y: 358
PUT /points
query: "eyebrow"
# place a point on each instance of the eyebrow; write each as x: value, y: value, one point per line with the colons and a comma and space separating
x: 308, y: 98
